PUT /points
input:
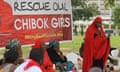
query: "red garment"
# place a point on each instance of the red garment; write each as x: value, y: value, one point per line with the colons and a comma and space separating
x: 95, y: 47
x: 38, y: 43
x: 74, y: 70
x: 47, y: 65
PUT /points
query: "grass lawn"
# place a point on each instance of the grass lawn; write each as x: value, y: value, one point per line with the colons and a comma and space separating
x: 72, y: 46
x: 77, y: 40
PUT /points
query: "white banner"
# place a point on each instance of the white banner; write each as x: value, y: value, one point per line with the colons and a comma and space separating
x: 25, y: 7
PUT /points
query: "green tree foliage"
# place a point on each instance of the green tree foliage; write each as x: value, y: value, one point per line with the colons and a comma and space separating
x: 109, y: 3
x: 74, y: 2
x: 85, y: 12
x: 94, y: 9
x: 80, y: 3
x: 117, y: 16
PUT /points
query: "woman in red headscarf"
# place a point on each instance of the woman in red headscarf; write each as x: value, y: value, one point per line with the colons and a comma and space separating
x: 47, y: 65
x: 96, y: 46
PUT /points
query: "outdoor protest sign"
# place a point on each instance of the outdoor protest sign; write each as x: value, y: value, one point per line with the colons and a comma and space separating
x: 28, y: 20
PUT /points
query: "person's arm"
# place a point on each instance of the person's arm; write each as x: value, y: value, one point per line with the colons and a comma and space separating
x: 63, y: 58
x: 108, y: 37
x: 19, y: 50
x: 13, y: 67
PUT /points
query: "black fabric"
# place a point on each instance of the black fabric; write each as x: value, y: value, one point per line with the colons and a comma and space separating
x: 81, y: 49
x: 11, y: 55
x: 37, y: 54
x: 98, y: 63
x: 54, y: 56
x: 95, y: 35
x: 1, y: 61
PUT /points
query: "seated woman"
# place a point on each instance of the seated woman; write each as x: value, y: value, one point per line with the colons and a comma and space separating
x: 47, y: 65
x: 9, y: 61
x: 15, y: 44
x: 56, y: 55
x: 33, y: 63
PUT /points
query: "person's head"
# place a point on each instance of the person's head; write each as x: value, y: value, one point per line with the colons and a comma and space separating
x: 37, y: 54
x: 98, y: 22
x: 54, y: 45
x: 11, y: 56
x: 13, y: 44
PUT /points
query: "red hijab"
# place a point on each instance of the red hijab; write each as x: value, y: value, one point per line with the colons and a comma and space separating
x: 39, y: 43
x: 46, y: 60
x: 97, y: 47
